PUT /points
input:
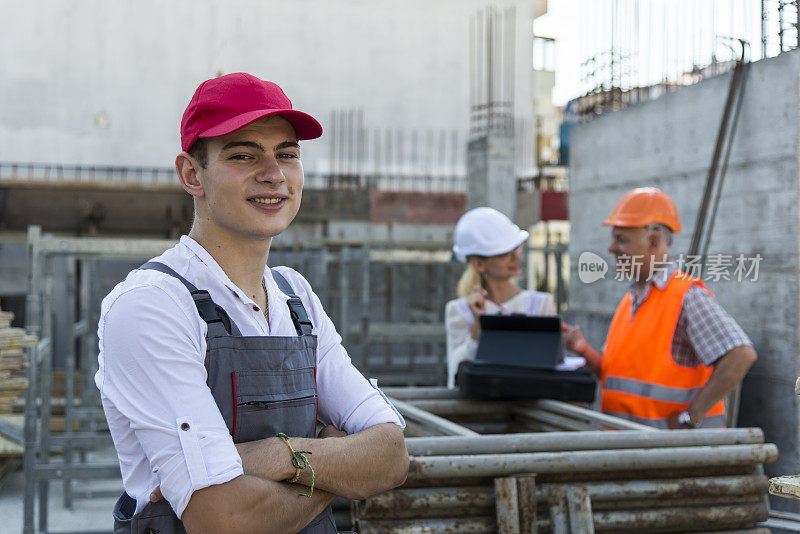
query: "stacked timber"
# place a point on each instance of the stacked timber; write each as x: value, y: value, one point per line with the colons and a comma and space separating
x: 13, y: 343
x: 637, y: 481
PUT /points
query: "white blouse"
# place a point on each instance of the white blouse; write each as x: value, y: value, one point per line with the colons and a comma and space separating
x: 152, y: 376
x: 458, y: 320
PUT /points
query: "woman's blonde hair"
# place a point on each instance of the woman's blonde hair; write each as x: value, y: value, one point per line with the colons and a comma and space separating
x: 468, y: 280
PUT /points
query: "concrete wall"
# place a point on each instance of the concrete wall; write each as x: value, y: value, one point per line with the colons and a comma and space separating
x: 669, y: 143
x: 99, y: 82
x: 490, y: 174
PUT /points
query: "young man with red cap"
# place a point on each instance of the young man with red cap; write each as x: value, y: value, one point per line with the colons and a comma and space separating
x: 672, y: 353
x: 214, y: 368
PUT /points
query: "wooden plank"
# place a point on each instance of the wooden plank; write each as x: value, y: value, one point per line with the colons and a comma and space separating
x: 10, y: 448
x: 785, y: 486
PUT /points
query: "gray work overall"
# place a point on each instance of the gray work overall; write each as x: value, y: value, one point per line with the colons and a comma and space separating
x: 262, y: 385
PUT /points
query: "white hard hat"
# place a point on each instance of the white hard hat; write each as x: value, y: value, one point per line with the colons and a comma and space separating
x: 486, y: 232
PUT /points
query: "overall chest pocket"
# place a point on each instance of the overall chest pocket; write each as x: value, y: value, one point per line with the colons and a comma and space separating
x: 270, y: 401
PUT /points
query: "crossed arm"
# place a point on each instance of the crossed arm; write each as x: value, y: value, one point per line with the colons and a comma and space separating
x: 354, y: 466
x: 153, y: 373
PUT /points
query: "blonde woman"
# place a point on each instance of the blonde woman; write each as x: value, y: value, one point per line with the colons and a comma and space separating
x: 491, y: 245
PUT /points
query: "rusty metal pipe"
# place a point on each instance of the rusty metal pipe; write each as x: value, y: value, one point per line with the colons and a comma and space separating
x: 463, y: 407
x: 422, y: 501
x: 526, y: 425
x: 429, y: 420
x: 462, y: 525
x: 682, y: 517
x: 487, y: 427
x: 416, y: 393
x: 673, y: 488
x: 416, y: 430
x: 580, y: 510
x: 732, y: 517
x: 590, y: 440
x: 677, y: 502
x: 584, y: 414
x: 556, y: 420
x: 582, y: 461
x: 425, y: 499
x: 669, y: 518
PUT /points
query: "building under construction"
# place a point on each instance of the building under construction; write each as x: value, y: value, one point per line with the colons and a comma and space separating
x: 720, y: 134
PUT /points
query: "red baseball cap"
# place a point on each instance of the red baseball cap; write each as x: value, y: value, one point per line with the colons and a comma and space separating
x: 225, y: 104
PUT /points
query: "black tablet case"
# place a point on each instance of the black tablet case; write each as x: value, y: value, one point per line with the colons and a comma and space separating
x: 517, y: 358
x: 478, y: 380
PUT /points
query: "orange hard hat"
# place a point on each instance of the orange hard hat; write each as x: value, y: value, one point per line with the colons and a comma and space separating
x: 643, y: 206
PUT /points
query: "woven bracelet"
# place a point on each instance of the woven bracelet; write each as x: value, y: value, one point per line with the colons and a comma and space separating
x: 299, y: 462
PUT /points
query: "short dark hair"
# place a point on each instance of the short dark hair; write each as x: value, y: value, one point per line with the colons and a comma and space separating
x: 199, y: 151
x: 658, y: 227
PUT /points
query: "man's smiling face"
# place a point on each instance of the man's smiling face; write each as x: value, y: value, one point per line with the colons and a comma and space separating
x: 253, y: 181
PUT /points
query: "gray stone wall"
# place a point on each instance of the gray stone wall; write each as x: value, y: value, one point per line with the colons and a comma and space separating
x: 668, y: 143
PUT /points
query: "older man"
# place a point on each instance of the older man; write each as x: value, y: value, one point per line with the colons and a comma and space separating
x: 672, y: 353
x: 215, y: 368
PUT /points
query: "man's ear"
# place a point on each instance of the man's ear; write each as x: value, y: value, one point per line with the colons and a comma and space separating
x: 654, y: 240
x: 188, y: 169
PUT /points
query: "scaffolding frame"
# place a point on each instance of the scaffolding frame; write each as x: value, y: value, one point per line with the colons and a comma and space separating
x: 41, y: 445
x: 50, y: 456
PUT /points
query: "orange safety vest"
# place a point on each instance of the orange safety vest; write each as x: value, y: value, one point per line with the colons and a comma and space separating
x: 640, y: 381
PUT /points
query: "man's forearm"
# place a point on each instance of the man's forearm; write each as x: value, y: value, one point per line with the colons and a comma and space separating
x: 249, y: 504
x: 354, y: 466
x: 593, y: 358
x: 728, y: 373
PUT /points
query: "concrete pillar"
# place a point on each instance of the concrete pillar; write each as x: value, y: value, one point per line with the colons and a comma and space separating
x: 490, y: 173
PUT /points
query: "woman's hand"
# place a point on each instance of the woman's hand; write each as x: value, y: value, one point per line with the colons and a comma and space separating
x: 477, y: 301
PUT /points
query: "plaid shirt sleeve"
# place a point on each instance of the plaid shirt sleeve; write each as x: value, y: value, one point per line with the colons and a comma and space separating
x: 705, y: 331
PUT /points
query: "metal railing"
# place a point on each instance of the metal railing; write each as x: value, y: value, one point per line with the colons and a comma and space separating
x: 80, y: 174
x: 108, y: 175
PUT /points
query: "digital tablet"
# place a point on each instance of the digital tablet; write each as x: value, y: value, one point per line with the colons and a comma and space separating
x: 521, y: 340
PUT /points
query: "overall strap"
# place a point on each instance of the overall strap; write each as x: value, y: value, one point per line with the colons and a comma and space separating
x: 207, y: 308
x: 296, y: 309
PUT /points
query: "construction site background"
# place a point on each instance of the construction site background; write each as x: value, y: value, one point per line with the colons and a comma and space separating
x: 398, y: 165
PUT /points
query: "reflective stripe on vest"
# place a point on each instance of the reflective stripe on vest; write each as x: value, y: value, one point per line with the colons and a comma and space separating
x: 640, y: 379
x: 651, y: 391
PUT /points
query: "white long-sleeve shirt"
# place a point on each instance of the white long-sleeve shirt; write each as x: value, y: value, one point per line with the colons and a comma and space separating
x: 458, y: 320
x: 152, y: 376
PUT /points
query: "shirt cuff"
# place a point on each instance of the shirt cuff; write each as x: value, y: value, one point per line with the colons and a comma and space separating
x: 374, y: 410
x: 203, y: 462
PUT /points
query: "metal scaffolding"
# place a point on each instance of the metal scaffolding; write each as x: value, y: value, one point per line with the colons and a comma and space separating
x: 570, y: 480
x: 568, y: 447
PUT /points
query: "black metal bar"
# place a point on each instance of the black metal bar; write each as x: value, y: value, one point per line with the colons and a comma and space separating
x: 715, y: 160
x: 726, y: 159
x: 763, y: 29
